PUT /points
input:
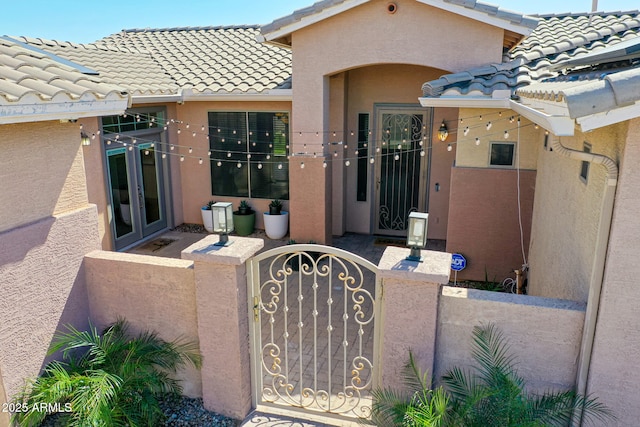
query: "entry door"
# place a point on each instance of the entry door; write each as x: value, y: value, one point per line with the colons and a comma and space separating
x: 401, y: 173
x: 135, y: 182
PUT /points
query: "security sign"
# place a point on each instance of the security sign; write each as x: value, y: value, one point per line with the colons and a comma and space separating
x: 458, y: 262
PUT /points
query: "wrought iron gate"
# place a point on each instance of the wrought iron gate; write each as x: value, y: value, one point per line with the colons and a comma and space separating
x: 314, y: 321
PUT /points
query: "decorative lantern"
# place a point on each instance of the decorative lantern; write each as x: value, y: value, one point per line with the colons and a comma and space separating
x: 417, y: 234
x: 222, y: 215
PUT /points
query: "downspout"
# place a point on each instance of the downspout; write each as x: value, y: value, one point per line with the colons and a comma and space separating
x: 597, y: 271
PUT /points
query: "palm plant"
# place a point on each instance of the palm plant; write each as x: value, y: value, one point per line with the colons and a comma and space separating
x: 417, y: 405
x: 109, y: 379
x: 494, y: 394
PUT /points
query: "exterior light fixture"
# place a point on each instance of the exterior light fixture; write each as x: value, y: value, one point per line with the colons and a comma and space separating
x: 417, y: 235
x: 443, y: 133
x: 85, y: 139
x: 222, y: 216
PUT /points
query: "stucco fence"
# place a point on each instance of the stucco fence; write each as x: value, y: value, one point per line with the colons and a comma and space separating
x: 203, y: 297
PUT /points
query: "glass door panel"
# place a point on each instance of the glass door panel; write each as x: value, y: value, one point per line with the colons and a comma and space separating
x: 152, y: 206
x: 119, y: 187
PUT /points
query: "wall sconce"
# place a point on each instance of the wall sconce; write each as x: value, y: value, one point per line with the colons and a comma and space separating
x: 443, y: 133
x: 222, y: 215
x: 85, y: 139
x: 417, y: 235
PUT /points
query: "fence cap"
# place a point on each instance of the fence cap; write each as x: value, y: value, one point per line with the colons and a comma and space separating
x: 435, y: 268
x: 205, y: 250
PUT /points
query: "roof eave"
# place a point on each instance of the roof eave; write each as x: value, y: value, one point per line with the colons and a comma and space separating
x: 611, y: 117
x: 558, y: 124
x: 524, y: 29
x: 279, y: 33
x: 22, y: 113
x: 462, y: 102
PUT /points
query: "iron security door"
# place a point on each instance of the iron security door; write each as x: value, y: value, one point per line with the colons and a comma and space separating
x: 314, y: 327
x: 401, y: 173
x: 135, y: 175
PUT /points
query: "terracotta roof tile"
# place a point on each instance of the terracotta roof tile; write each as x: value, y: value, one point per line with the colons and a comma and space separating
x: 556, y: 39
x: 29, y: 75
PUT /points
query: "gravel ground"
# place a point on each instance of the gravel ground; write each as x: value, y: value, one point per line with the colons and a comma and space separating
x: 180, y: 412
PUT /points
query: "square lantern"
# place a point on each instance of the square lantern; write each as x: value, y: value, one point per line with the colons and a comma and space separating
x: 222, y: 215
x: 417, y: 234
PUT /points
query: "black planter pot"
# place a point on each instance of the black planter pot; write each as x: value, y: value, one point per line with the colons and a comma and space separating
x: 273, y: 210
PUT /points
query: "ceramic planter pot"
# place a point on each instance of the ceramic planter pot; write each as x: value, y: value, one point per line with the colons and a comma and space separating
x: 207, y: 219
x: 244, y: 224
x: 276, y: 226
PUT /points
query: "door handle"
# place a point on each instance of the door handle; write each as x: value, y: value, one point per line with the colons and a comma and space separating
x: 140, y: 197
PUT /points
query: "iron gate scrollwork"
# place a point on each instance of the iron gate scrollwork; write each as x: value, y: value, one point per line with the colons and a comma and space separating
x: 314, y: 328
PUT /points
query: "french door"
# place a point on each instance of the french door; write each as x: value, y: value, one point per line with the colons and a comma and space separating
x: 135, y: 181
x: 402, y: 172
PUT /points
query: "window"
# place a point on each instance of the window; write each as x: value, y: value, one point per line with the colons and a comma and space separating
x: 363, y: 154
x: 132, y: 121
x: 584, y: 167
x: 502, y: 154
x: 249, y: 154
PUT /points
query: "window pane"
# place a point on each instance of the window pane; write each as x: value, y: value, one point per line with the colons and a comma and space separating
x: 268, y: 146
x: 363, y: 155
x: 227, y: 140
x: 502, y: 154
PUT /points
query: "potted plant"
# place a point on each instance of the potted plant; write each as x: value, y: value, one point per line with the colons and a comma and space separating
x: 244, y: 219
x: 275, y: 207
x: 276, y: 225
x: 207, y: 219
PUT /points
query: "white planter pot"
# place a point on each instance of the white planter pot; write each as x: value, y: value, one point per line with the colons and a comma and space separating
x: 276, y: 226
x: 207, y: 219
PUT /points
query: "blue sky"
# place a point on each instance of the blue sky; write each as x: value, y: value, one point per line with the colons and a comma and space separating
x: 85, y: 21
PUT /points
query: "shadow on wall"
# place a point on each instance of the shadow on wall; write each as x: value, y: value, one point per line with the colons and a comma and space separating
x: 15, y: 244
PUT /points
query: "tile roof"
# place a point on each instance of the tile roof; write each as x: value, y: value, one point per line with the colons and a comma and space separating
x: 556, y: 39
x: 321, y: 6
x: 210, y: 60
x: 205, y: 60
x: 29, y: 76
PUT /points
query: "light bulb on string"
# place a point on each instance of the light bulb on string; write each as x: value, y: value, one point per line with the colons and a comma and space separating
x: 200, y: 160
x: 248, y: 156
x: 234, y: 131
x: 466, y: 131
x: 219, y: 163
x: 396, y: 157
x: 193, y: 134
x: 146, y: 152
x: 477, y: 141
x: 268, y: 156
x: 259, y: 165
x: 228, y: 153
x: 506, y: 134
x: 335, y: 154
x: 182, y: 158
x: 190, y: 150
x: 422, y: 153
x: 131, y: 148
x: 347, y: 163
x: 239, y: 165
x: 172, y: 147
x: 489, y: 125
x: 324, y: 164
x: 179, y: 131
x: 209, y: 153
x: 164, y: 155
x: 279, y: 165
x: 449, y: 147
x: 301, y: 165
x: 153, y: 144
x: 202, y: 128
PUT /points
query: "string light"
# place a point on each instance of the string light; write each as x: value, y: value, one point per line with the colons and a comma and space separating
x: 449, y: 147
x: 506, y: 134
x: 489, y: 125
x: 477, y: 141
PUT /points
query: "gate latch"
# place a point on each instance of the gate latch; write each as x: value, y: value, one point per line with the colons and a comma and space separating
x: 256, y: 308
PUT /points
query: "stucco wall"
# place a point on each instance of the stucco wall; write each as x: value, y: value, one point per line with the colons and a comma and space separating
x: 526, y: 137
x: 614, y: 376
x: 152, y: 293
x: 43, y: 288
x: 369, y: 35
x: 41, y: 171
x: 390, y: 84
x: 195, y: 179
x: 544, y: 334
x: 566, y: 214
x: 483, y: 220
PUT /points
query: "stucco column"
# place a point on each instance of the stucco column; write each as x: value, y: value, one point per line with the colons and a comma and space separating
x: 223, y: 325
x: 409, y: 310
